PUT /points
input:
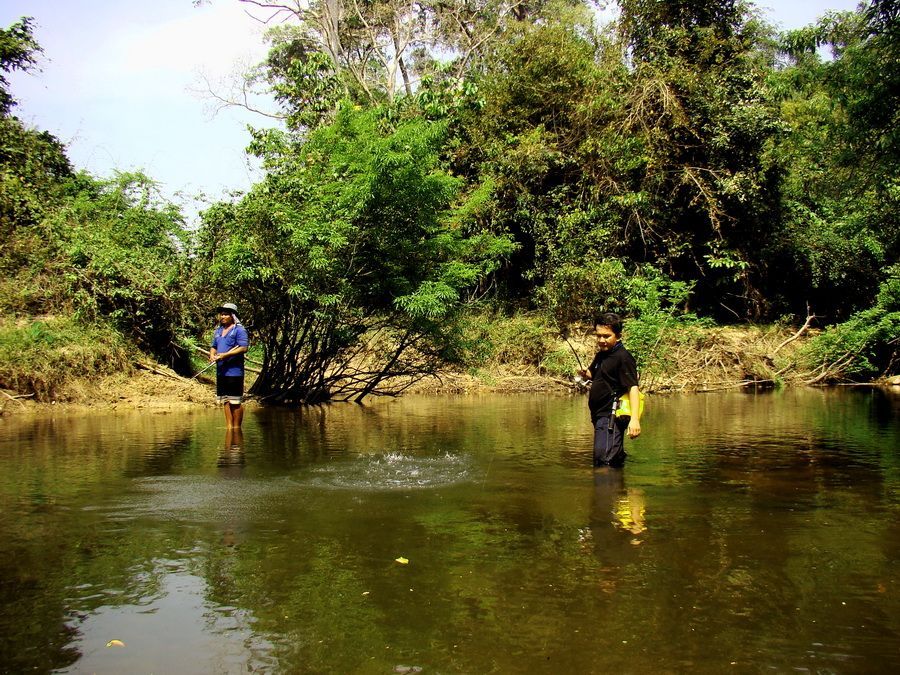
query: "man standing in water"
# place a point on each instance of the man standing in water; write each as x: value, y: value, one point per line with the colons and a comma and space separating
x: 613, y: 372
x: 229, y: 344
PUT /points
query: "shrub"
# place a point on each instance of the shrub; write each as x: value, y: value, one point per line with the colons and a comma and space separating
x: 523, y: 339
x: 866, y: 345
x: 44, y: 356
x: 560, y: 362
x: 576, y: 293
x: 123, y: 247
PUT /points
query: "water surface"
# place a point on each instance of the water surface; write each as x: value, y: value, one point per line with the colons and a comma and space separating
x: 746, y: 533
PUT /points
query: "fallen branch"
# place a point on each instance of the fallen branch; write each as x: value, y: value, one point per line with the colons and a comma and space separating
x: 156, y: 371
x: 16, y: 398
x: 566, y: 383
x: 856, y: 384
x: 796, y: 335
x: 835, y: 368
x: 731, y: 385
x: 782, y: 371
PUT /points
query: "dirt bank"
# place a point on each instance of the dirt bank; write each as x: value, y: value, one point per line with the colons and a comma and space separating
x: 709, y: 359
x: 163, y: 391
x: 714, y: 359
x: 160, y: 390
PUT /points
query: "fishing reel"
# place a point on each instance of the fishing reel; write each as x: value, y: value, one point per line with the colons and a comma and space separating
x: 581, y: 382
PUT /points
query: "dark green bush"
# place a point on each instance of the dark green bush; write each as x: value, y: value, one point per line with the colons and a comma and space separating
x: 866, y: 345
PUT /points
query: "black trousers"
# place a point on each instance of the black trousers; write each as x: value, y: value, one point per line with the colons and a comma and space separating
x: 609, y: 440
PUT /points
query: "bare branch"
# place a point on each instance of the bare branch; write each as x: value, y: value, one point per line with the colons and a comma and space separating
x: 809, y: 320
x: 239, y: 97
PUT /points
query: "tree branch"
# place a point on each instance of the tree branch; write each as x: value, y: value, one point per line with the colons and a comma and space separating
x: 803, y: 329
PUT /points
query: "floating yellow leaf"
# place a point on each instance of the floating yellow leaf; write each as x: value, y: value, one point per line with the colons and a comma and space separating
x: 115, y: 643
x: 402, y: 560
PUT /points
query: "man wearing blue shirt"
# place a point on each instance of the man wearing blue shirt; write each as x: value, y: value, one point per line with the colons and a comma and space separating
x: 229, y: 344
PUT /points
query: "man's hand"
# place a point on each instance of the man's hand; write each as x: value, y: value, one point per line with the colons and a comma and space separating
x: 634, y: 428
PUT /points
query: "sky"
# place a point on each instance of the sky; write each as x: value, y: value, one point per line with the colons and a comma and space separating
x: 121, y: 84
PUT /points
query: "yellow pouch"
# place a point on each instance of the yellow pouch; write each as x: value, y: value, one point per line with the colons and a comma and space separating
x: 623, y: 407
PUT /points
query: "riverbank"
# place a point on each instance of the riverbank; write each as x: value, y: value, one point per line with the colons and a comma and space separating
x: 703, y: 360
x: 156, y: 391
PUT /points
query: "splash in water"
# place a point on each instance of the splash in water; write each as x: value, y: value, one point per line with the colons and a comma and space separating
x: 392, y: 471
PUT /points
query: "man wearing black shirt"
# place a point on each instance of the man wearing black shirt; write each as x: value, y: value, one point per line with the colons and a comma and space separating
x: 613, y: 372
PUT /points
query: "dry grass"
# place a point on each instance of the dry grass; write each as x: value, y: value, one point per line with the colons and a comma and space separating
x: 137, y: 390
x: 707, y: 359
x: 727, y: 357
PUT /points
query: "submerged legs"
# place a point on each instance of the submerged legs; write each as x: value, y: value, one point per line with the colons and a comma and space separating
x: 609, y: 440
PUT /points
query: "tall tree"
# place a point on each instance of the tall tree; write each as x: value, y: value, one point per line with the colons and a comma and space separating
x: 647, y: 147
x: 33, y: 163
x: 350, y: 257
x: 701, y: 109
x: 99, y: 251
x: 840, y: 158
x: 371, y: 51
x: 17, y: 52
x: 522, y: 137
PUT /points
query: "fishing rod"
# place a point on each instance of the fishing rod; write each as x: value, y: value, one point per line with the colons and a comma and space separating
x: 578, y: 358
x: 199, y: 373
x: 564, y: 334
x: 581, y: 382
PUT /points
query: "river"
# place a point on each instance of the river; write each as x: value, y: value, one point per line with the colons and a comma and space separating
x: 746, y: 533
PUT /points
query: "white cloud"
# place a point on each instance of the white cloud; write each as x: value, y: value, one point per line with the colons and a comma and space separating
x: 212, y: 37
x: 158, y: 61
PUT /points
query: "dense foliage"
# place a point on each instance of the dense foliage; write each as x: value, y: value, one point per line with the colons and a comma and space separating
x: 682, y: 164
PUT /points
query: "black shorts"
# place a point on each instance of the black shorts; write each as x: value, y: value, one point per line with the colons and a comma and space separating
x: 230, y: 388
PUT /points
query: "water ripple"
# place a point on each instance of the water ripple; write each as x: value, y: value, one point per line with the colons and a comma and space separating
x: 390, y: 471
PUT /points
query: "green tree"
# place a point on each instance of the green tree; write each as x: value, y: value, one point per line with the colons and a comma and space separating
x: 840, y: 160
x: 33, y: 173
x: 866, y: 345
x: 17, y: 52
x: 529, y: 135
x: 81, y: 256
x: 647, y: 148
x: 122, y: 250
x: 702, y: 113
x: 350, y: 258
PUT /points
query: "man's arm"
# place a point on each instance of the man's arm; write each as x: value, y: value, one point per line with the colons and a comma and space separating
x: 634, y: 424
x: 240, y: 349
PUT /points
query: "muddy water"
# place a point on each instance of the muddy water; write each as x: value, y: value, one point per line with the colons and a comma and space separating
x: 746, y: 533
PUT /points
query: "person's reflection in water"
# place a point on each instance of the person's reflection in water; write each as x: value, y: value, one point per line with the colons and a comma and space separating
x: 231, y: 458
x: 231, y: 465
x: 614, y: 530
x: 616, y: 505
